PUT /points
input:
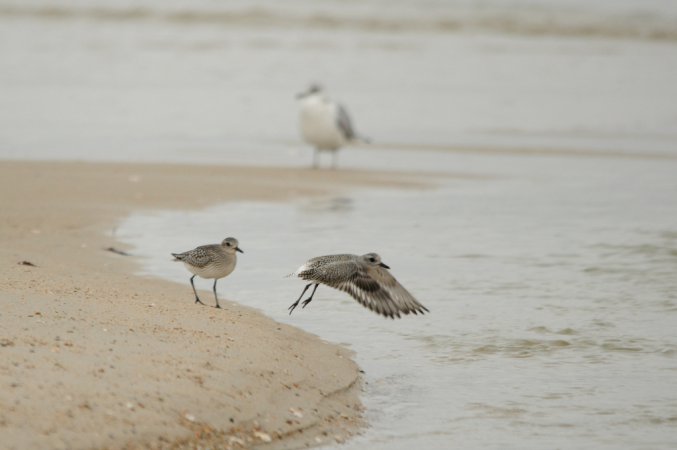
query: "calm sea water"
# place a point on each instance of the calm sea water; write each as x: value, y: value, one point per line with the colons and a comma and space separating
x: 551, y: 280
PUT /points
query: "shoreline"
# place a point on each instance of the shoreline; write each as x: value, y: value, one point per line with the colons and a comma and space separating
x: 96, y: 357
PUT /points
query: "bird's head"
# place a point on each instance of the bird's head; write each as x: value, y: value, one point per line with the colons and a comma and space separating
x: 231, y: 245
x: 374, y: 260
x: 313, y: 89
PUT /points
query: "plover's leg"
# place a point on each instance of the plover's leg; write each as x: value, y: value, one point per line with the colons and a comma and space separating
x: 197, y: 299
x: 305, y: 302
x: 215, y: 297
x: 334, y: 159
x: 296, y: 303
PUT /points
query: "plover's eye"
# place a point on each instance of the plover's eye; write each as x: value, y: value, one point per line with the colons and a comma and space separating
x: 372, y: 260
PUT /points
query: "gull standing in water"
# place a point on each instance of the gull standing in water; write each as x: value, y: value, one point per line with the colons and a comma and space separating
x: 210, y: 261
x: 364, y: 277
x: 325, y: 124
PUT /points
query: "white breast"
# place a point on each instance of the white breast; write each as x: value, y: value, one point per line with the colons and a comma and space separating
x: 319, y: 123
x: 213, y: 271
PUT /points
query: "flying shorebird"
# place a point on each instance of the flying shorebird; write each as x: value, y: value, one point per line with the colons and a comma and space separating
x: 325, y: 124
x: 364, y: 277
x: 210, y: 261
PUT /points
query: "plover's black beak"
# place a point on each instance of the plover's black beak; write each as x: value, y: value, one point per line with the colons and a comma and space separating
x: 238, y: 249
x: 384, y: 266
x: 300, y: 95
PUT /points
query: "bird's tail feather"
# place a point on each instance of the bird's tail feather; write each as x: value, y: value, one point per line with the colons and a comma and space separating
x: 297, y: 271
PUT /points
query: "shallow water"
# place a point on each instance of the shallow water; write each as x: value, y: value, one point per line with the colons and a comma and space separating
x: 551, y: 284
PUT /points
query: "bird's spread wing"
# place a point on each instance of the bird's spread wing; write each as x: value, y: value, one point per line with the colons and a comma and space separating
x: 379, y: 291
x: 344, y: 123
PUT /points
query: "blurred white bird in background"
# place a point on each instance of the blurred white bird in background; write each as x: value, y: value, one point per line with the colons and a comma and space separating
x: 325, y: 124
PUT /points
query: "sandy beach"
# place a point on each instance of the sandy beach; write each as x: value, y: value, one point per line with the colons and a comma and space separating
x: 96, y: 357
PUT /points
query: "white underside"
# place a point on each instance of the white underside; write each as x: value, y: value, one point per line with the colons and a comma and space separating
x: 211, y: 271
x: 319, y: 127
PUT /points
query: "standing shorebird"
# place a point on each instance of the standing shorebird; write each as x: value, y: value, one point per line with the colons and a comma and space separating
x: 210, y: 261
x: 325, y: 124
x: 364, y: 277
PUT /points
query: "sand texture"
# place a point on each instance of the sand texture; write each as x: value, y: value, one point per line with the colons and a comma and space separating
x: 93, y: 356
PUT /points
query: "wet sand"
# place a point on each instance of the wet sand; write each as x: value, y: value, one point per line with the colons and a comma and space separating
x: 96, y: 357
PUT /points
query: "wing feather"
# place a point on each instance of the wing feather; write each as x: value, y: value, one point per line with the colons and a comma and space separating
x: 406, y: 302
x: 344, y: 123
x: 198, y: 257
x: 377, y: 290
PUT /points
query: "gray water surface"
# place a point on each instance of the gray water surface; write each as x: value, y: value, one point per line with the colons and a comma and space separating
x: 552, y: 289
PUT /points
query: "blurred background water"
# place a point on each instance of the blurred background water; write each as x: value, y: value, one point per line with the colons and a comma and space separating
x: 547, y: 252
x: 215, y: 80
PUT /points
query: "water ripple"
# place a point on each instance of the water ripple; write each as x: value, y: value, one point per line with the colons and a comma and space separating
x: 444, y: 349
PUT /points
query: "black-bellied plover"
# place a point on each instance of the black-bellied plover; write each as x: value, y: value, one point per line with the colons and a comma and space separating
x: 364, y: 277
x: 325, y: 124
x: 210, y: 261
